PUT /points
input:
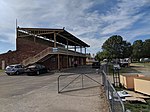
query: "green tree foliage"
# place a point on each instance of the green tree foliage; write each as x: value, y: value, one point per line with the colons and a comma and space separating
x: 127, y: 49
x: 116, y: 47
x: 146, y: 48
x: 102, y: 55
x: 137, y: 51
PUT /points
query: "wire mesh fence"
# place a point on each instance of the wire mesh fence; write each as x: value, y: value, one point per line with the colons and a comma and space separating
x: 116, y: 104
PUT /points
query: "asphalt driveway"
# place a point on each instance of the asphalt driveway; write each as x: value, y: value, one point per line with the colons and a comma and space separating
x: 39, y: 94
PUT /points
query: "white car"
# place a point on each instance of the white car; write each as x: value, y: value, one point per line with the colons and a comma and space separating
x: 14, y: 69
x: 117, y: 66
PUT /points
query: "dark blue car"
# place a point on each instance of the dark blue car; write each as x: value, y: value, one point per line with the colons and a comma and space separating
x: 36, y: 69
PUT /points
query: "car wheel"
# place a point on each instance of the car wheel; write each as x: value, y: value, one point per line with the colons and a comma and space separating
x: 48, y: 70
x: 9, y: 74
x: 17, y: 73
x: 38, y: 72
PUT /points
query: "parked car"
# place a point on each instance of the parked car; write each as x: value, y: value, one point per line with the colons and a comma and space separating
x: 145, y: 60
x: 14, y: 69
x: 36, y: 69
x: 124, y: 62
x: 116, y: 67
x: 96, y: 64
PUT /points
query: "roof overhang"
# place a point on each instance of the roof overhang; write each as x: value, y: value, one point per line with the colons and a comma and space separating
x: 62, y: 36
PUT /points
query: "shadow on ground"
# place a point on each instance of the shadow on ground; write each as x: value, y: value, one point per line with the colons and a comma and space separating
x: 83, y: 92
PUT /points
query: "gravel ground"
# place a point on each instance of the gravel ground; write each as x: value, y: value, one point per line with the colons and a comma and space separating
x: 39, y: 94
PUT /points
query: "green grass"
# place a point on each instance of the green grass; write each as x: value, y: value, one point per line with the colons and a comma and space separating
x: 128, y: 70
x: 143, y: 64
x: 134, y: 68
x: 1, y: 70
x: 138, y: 107
x: 123, y: 70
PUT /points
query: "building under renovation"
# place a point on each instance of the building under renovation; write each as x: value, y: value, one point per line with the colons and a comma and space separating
x: 54, y: 48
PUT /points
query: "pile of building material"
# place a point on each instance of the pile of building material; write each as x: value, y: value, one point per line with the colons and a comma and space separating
x: 126, y: 95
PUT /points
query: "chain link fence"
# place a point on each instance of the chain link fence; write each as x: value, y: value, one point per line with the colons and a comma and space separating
x: 116, y: 104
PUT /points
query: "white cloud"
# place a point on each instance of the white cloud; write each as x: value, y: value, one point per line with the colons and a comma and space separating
x: 73, y: 15
x: 95, y: 43
x: 121, y: 24
x: 122, y: 16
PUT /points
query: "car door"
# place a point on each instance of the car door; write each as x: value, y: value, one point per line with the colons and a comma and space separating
x: 20, y: 68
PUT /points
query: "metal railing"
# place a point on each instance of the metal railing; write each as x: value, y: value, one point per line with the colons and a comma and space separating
x: 70, y: 52
x: 116, y: 104
x: 50, y: 50
x: 37, y: 57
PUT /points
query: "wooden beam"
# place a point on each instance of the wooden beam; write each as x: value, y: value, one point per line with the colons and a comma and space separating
x: 75, y: 49
x: 67, y: 61
x: 55, y: 40
x: 68, y: 39
x: 67, y: 45
x: 80, y: 49
x: 32, y: 34
x: 58, y: 62
x: 34, y: 39
x: 42, y: 29
x: 45, y: 33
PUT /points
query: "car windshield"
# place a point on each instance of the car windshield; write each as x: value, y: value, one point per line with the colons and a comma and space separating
x: 11, y: 66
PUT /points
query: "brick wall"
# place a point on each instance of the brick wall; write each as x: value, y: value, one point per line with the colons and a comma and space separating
x: 10, y: 57
x: 51, y: 63
x: 25, y: 49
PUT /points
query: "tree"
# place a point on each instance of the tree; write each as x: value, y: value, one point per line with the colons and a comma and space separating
x: 137, y: 51
x: 146, y: 48
x: 101, y: 55
x: 126, y: 49
x: 117, y: 47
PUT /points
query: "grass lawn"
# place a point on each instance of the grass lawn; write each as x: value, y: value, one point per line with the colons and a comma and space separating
x: 142, y: 64
x: 138, y: 107
x: 134, y: 68
x: 129, y: 70
x: 124, y: 70
x: 1, y: 70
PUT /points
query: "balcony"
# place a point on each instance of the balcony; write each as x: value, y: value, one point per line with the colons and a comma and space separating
x: 48, y: 51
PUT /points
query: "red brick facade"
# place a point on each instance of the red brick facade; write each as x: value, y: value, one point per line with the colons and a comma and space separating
x: 25, y: 49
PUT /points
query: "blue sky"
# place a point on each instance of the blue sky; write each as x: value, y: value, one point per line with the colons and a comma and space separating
x: 93, y: 21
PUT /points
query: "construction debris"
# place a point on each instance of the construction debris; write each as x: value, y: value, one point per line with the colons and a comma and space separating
x: 135, y: 99
x: 126, y: 95
x: 123, y: 94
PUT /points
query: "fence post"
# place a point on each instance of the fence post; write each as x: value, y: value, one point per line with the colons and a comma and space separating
x: 108, y: 89
x: 112, y: 101
x: 58, y: 84
x: 82, y: 80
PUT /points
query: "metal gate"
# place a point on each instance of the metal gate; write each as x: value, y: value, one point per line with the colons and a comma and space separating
x: 72, y: 82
